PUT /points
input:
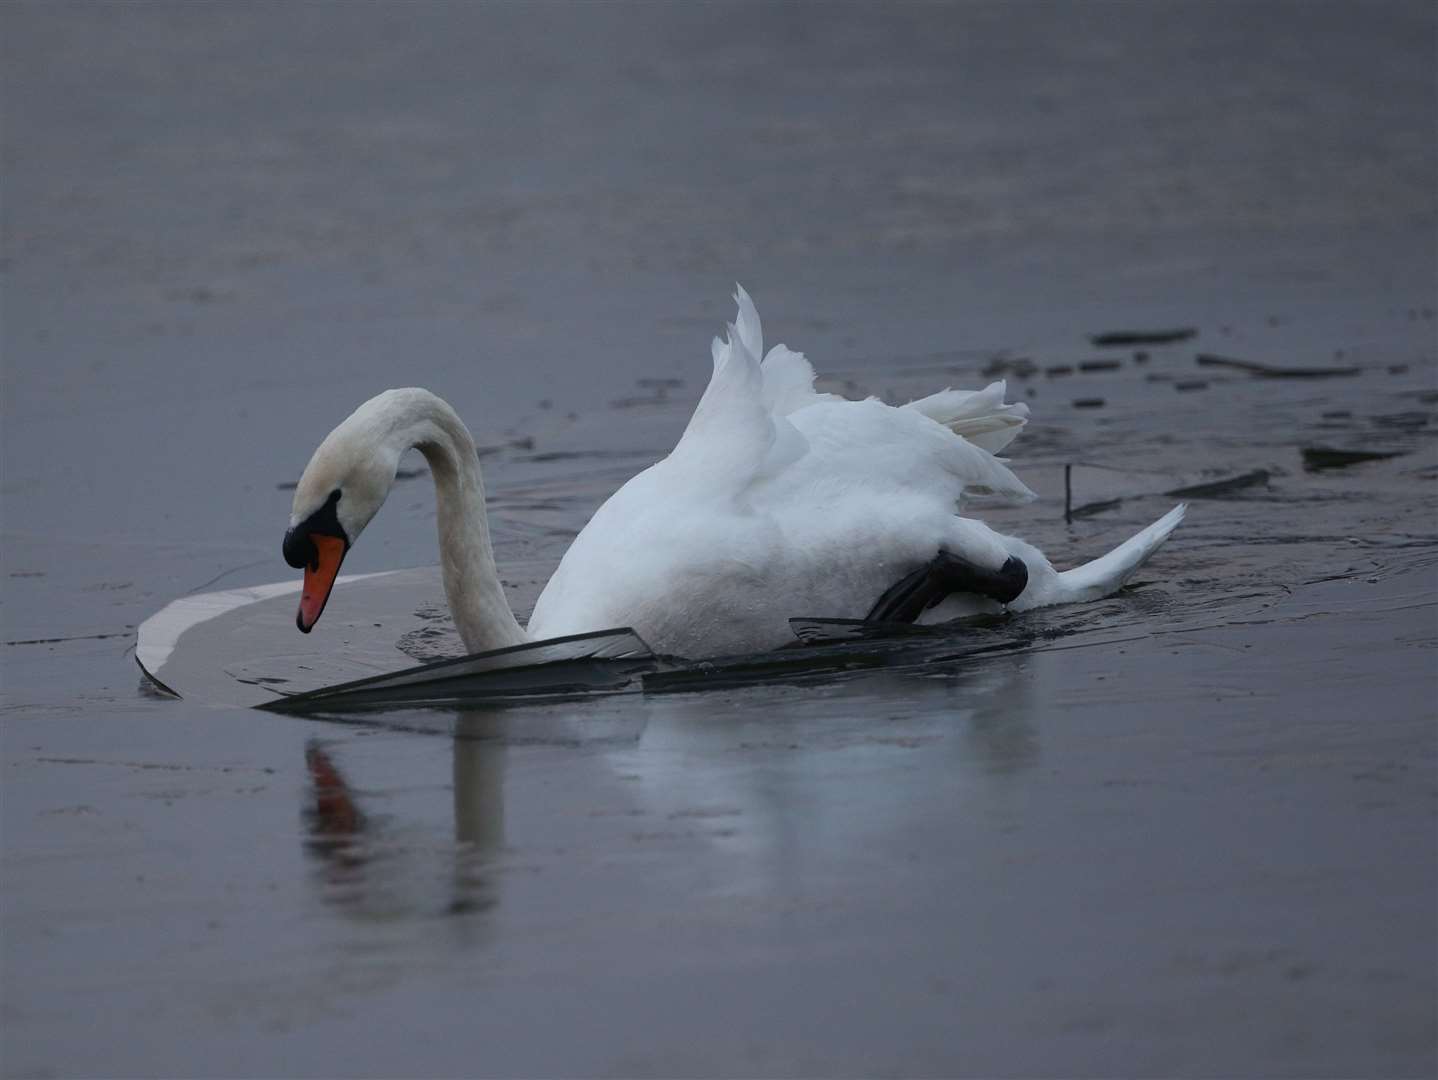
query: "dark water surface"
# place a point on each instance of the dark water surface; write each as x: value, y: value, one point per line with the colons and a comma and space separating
x: 1189, y: 830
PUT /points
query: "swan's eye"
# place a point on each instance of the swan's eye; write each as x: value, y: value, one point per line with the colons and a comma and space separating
x: 299, y: 549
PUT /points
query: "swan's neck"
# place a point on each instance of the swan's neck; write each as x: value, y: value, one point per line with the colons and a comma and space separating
x: 471, y: 582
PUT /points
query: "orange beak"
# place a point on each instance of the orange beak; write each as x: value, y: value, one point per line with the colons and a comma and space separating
x: 319, y: 579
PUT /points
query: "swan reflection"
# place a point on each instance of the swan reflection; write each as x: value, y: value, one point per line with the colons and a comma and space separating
x: 376, y: 865
x: 774, y: 781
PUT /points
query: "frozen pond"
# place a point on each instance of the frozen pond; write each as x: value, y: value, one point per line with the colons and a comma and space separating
x: 1187, y: 830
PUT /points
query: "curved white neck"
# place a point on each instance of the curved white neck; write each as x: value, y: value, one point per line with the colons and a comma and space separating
x: 476, y: 597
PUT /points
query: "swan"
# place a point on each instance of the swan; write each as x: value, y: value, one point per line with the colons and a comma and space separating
x: 778, y: 501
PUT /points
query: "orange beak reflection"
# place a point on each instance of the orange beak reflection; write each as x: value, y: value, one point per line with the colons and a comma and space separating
x: 319, y: 579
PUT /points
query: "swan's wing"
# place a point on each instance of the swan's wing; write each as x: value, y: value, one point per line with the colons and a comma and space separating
x: 735, y: 436
x: 786, y: 378
x: 751, y: 330
x: 980, y: 416
x: 868, y: 447
x: 789, y: 382
x: 730, y: 430
x: 757, y: 421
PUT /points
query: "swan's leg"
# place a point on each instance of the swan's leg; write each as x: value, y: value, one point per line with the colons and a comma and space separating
x: 996, y: 584
x: 1091, y: 581
x: 973, y: 536
x: 958, y: 582
x: 945, y: 574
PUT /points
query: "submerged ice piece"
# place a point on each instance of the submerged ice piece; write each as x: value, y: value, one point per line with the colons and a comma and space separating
x: 220, y: 648
x: 606, y: 661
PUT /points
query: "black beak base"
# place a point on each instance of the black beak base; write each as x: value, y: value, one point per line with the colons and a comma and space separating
x: 298, y: 548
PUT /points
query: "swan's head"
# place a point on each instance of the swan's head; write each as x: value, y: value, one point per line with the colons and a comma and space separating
x: 342, y: 488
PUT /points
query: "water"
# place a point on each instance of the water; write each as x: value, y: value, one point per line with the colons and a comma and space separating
x: 1185, y: 830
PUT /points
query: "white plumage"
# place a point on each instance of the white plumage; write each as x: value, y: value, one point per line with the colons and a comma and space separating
x: 777, y: 502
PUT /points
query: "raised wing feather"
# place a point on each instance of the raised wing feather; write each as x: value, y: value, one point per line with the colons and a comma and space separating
x: 755, y: 422
x: 980, y: 416
x: 733, y: 438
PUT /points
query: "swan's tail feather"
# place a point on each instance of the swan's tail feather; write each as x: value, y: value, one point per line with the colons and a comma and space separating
x: 1105, y: 575
x: 1110, y: 572
x: 980, y: 416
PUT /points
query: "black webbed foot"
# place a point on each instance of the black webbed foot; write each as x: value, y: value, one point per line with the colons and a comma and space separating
x: 945, y: 574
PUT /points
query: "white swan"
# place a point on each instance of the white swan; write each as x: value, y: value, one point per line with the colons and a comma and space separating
x: 777, y: 502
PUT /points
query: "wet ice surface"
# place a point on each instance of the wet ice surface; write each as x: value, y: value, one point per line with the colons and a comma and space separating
x: 1188, y: 829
